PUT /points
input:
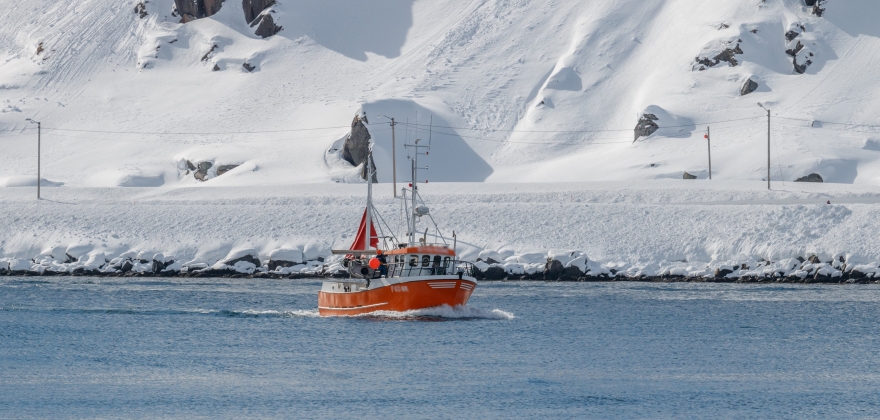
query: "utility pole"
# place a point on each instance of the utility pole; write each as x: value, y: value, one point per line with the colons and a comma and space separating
x: 768, y: 144
x: 39, y: 130
x: 394, y: 157
x: 768, y: 149
x: 709, y: 146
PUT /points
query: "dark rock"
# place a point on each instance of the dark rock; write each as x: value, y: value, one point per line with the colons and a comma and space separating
x: 126, y: 266
x: 646, y: 126
x: 216, y: 68
x: 208, y: 54
x: 222, y: 169
x: 748, y: 87
x: 495, y: 273
x: 253, y: 8
x: 69, y: 258
x: 247, y: 258
x: 728, y: 55
x: 158, y: 266
x: 571, y: 273
x: 810, y: 178
x: 266, y: 26
x: 810, y: 2
x: 275, y: 264
x: 800, y: 68
x: 722, y: 272
x: 553, y: 270
x: 191, y: 10
x: 817, y: 9
x: 190, y: 166
x: 141, y: 10
x: 791, y: 35
x: 689, y: 176
x: 814, y: 260
x: 202, y: 172
x: 357, y: 147
x: 248, y: 67
x: 793, y: 52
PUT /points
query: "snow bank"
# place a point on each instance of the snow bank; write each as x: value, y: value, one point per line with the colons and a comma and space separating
x: 658, y: 228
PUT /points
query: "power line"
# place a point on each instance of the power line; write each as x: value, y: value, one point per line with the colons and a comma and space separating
x: 556, y: 142
x: 581, y: 131
x: 828, y: 122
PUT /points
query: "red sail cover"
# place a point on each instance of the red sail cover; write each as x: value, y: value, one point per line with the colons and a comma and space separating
x: 362, y: 233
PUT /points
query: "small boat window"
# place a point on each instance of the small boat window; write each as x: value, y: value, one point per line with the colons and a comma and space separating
x: 413, y: 260
x: 437, y: 261
x: 446, y: 261
x: 426, y: 260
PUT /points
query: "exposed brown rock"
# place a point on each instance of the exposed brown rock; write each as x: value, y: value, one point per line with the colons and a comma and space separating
x: 748, y: 87
x: 357, y: 147
x: 266, y: 26
x: 646, y: 126
x: 191, y: 10
x: 253, y: 8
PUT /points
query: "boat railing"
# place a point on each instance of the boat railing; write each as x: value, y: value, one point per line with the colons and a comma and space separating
x: 450, y: 267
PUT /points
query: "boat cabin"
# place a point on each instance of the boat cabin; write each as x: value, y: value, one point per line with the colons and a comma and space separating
x: 424, y: 260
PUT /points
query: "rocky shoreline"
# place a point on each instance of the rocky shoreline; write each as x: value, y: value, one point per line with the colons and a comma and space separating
x: 577, y: 269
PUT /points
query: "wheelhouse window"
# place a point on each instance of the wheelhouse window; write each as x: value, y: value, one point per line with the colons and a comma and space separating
x: 446, y: 261
x: 413, y: 260
x: 426, y: 260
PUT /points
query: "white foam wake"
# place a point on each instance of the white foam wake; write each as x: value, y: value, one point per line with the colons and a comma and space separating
x: 445, y: 311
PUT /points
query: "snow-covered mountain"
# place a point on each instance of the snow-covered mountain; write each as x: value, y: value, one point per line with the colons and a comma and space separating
x: 513, y: 90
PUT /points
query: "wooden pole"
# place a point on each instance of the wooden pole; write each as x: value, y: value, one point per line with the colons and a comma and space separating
x: 709, y: 146
x: 768, y: 149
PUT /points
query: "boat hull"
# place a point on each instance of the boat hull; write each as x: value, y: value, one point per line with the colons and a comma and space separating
x: 397, y: 296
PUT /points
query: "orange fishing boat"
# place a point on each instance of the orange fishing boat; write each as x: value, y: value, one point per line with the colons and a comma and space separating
x: 398, y: 276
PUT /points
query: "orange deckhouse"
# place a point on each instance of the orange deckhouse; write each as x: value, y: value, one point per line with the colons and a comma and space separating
x: 397, y: 276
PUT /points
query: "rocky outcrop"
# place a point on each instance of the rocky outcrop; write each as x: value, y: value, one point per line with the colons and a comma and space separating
x: 646, y: 126
x: 202, y: 172
x: 357, y: 147
x: 222, y: 169
x: 748, y: 87
x: 266, y: 26
x: 817, y: 7
x: 727, y: 55
x: 248, y: 67
x: 190, y: 10
x: 253, y: 8
x: 795, y: 48
x: 810, y: 178
x: 141, y: 10
x: 688, y: 176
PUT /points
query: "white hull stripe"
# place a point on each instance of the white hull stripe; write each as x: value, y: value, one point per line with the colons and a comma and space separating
x: 352, y: 309
x: 442, y: 285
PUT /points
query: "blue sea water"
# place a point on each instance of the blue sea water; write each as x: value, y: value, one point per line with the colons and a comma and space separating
x: 73, y: 347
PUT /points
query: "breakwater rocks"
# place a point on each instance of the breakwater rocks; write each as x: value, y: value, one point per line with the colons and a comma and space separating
x: 489, y: 266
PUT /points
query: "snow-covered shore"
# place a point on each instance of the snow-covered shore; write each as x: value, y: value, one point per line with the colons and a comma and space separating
x: 653, y: 229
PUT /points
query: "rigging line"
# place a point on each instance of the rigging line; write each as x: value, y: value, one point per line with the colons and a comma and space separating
x: 827, y: 122
x: 590, y: 131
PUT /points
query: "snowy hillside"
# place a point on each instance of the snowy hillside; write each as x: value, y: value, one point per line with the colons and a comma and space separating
x: 515, y: 90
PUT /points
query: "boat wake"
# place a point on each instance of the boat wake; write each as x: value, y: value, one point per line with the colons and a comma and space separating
x: 441, y: 312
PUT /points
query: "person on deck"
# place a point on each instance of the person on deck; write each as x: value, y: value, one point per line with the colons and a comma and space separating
x: 383, y: 263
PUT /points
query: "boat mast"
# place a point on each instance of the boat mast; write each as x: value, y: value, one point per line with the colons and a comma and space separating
x: 369, y: 217
x: 415, y: 185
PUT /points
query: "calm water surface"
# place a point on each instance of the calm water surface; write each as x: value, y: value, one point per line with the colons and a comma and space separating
x: 99, y: 347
